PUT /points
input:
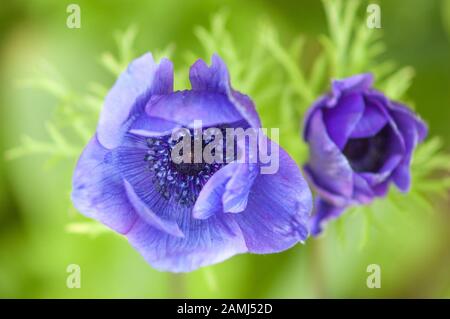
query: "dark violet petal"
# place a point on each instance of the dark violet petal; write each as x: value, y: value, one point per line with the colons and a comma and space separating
x: 336, y: 199
x: 206, y: 242
x: 98, y: 190
x: 414, y: 131
x: 323, y: 212
x: 216, y: 78
x: 378, y: 177
x: 327, y: 165
x: 362, y: 192
x: 381, y: 189
x: 278, y: 209
x: 318, y: 104
x: 341, y: 119
x: 402, y: 176
x: 372, y: 121
x: 415, y: 120
x: 129, y: 95
x: 354, y: 84
x: 395, y: 148
x: 147, y: 215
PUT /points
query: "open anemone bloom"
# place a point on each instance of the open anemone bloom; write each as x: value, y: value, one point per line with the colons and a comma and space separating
x: 360, y: 142
x: 184, y: 216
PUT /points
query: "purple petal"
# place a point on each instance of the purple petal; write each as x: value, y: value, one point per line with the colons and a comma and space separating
x: 317, y: 105
x: 185, y: 107
x: 414, y: 131
x: 226, y: 191
x: 362, y: 191
x: 372, y: 121
x: 209, y: 201
x: 323, y: 212
x: 235, y: 197
x: 336, y: 199
x: 129, y: 95
x: 170, y: 227
x: 328, y: 167
x: 381, y: 189
x: 98, y: 190
x: 129, y: 159
x: 148, y: 126
x: 417, y: 122
x: 341, y: 119
x: 396, y: 146
x: 355, y: 84
x: 277, y: 213
x: 216, y: 79
x: 206, y: 242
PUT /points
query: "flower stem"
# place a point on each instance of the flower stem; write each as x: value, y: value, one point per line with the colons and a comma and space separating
x: 317, y: 271
x: 177, y: 286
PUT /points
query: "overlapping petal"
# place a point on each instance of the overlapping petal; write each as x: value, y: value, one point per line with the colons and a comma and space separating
x: 327, y: 165
x: 277, y: 214
x: 98, y: 190
x: 129, y: 95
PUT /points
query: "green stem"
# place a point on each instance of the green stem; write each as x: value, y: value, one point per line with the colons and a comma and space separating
x: 177, y: 286
x: 319, y: 286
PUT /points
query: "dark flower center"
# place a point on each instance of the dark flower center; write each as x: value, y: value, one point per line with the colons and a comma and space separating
x: 368, y: 154
x: 181, y: 181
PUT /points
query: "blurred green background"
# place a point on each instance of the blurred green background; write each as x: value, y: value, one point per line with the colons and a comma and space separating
x: 35, y: 246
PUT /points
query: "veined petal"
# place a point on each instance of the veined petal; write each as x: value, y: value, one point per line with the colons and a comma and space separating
x: 147, y: 215
x: 206, y: 242
x: 129, y: 160
x: 277, y: 213
x: 98, y: 190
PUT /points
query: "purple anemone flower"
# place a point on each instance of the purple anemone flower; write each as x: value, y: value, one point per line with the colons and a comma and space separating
x: 360, y: 142
x: 181, y: 216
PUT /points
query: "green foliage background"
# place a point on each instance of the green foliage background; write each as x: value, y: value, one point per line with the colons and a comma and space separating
x: 283, y: 54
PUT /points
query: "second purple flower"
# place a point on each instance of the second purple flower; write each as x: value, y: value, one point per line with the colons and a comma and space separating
x: 360, y: 142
